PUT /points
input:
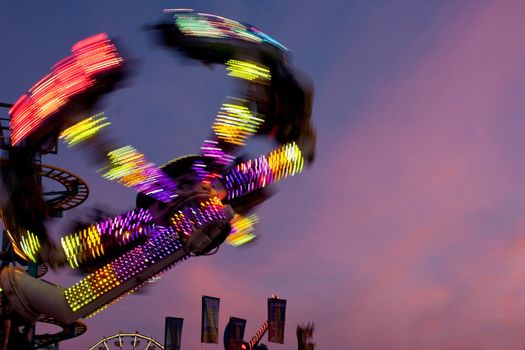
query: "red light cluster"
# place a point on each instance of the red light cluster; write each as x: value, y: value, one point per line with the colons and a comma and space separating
x: 68, y: 78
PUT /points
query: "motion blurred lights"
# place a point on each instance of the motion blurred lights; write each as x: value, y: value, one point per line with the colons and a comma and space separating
x: 213, y: 26
x: 30, y: 245
x: 286, y: 161
x: 91, y: 287
x: 130, y: 168
x: 235, y: 123
x: 247, y: 70
x: 185, y: 221
x: 161, y: 245
x: 190, y: 24
x: 126, y: 166
x: 92, y: 241
x: 212, y: 150
x: 84, y: 129
x: 18, y: 251
x: 242, y: 229
x: 283, y: 162
x: 68, y: 78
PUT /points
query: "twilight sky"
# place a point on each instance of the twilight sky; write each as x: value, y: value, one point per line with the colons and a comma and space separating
x: 409, y: 230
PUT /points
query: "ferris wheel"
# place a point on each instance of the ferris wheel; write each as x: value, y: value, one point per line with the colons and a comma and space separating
x: 134, y: 341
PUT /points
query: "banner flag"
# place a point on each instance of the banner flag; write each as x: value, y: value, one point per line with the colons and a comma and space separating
x: 210, y: 320
x: 173, y: 333
x: 276, y: 317
x: 234, y: 333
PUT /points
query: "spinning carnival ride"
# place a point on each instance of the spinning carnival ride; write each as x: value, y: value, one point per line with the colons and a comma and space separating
x: 185, y: 208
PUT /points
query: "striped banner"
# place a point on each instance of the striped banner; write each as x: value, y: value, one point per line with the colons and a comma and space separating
x: 276, y: 317
x: 173, y: 333
x: 210, y: 320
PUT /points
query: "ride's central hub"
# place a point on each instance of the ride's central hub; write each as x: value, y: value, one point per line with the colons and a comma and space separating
x: 202, y: 226
x: 197, y: 214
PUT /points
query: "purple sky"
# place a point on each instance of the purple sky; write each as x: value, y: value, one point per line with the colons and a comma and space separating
x: 407, y: 233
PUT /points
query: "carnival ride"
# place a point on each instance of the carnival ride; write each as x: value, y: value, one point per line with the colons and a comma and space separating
x: 187, y: 207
